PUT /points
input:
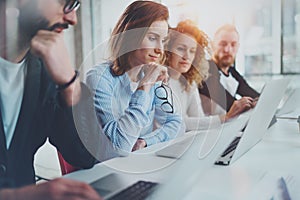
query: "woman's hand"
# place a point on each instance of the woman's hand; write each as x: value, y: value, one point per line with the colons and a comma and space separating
x: 140, y: 144
x: 153, y: 72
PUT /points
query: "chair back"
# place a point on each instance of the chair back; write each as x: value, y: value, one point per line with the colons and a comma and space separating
x: 65, y: 166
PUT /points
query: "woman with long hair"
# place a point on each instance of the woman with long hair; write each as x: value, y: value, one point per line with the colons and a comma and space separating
x: 129, y: 89
x: 186, y: 55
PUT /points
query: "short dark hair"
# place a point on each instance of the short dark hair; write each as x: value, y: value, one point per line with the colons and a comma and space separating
x: 130, y: 30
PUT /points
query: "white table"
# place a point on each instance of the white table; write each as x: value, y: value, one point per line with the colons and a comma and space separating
x: 277, y: 153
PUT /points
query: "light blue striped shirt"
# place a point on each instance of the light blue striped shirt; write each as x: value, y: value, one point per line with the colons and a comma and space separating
x: 127, y: 114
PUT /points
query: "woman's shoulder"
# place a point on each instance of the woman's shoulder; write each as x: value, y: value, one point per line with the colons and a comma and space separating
x: 100, y: 74
x: 100, y: 69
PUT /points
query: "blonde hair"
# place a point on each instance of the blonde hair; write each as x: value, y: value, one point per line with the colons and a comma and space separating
x: 199, y: 70
x: 227, y: 28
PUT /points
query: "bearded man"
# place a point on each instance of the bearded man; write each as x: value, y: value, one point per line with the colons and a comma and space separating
x: 39, y: 88
x: 224, y: 81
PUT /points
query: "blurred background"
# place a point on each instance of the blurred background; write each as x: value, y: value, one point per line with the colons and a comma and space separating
x: 269, y: 30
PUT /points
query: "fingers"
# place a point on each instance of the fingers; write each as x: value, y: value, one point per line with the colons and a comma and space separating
x: 50, y: 46
x: 43, y: 41
x: 153, y: 73
x: 82, y: 191
x: 240, y: 106
x: 163, y: 76
x: 65, y: 189
x: 140, y: 143
x: 162, y: 73
x: 159, y: 72
x: 248, y: 102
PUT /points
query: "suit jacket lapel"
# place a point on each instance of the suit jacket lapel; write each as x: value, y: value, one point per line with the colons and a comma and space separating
x: 30, y: 99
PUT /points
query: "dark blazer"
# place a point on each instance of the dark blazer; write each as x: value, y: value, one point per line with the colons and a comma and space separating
x: 42, y: 116
x: 213, y: 89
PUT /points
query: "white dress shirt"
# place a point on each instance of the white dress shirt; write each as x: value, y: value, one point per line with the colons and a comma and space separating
x: 229, y: 83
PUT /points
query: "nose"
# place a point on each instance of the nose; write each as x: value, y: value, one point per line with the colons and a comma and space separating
x: 185, y: 55
x: 228, y: 48
x: 159, y: 48
x: 71, y: 17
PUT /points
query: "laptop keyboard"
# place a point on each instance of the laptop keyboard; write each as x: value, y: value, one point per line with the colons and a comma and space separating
x: 226, y: 156
x: 231, y: 147
x: 138, y: 191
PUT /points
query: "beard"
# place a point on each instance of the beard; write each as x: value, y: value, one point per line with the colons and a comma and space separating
x: 31, y: 21
x: 224, y: 61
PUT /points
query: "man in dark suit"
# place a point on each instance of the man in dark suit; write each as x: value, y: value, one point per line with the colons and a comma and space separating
x: 38, y: 91
x: 224, y: 81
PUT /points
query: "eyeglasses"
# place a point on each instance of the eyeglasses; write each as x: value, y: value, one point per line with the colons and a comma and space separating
x: 71, y: 5
x: 161, y: 92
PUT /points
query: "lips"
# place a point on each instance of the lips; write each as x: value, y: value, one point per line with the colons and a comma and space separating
x: 227, y: 57
x: 58, y: 30
x: 184, y: 63
x: 154, y: 57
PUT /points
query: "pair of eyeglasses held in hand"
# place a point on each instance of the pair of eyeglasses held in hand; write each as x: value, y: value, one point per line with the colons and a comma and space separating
x: 161, y: 92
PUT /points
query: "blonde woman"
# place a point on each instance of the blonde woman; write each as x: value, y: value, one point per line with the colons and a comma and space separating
x: 185, y: 55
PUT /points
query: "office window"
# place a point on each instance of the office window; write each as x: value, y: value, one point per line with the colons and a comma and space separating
x: 269, y: 30
x: 97, y: 19
x: 291, y: 36
x: 262, y: 39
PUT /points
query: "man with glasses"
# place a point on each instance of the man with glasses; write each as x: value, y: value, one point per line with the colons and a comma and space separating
x: 38, y: 90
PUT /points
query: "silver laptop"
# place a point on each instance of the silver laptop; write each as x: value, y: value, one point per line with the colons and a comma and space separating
x: 289, y: 102
x: 258, y: 123
x: 198, y: 157
x: 259, y: 120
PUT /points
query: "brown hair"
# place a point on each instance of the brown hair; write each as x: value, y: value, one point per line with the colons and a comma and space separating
x: 130, y: 30
x: 199, y: 69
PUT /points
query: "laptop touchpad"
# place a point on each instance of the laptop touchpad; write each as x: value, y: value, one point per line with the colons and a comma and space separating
x: 109, y: 184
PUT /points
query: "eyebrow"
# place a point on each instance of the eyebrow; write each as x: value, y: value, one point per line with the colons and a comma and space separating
x: 156, y: 34
x: 182, y: 44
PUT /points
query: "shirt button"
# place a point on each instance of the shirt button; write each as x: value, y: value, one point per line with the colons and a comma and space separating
x: 2, y: 169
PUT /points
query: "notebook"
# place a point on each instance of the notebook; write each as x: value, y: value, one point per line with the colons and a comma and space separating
x: 258, y: 123
x: 198, y: 157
